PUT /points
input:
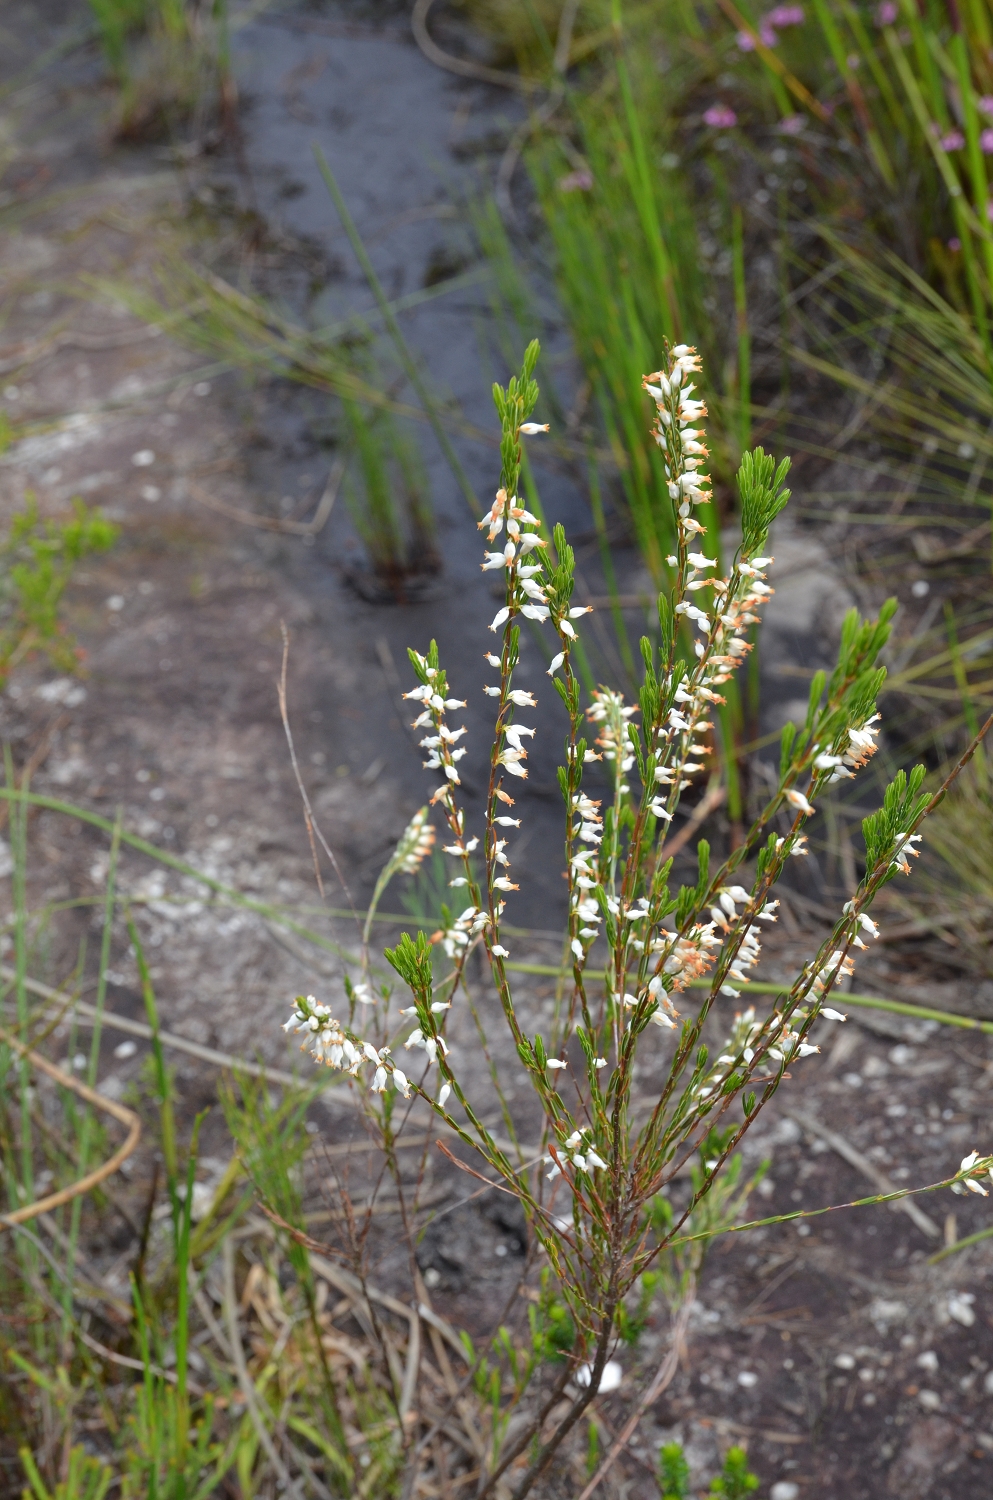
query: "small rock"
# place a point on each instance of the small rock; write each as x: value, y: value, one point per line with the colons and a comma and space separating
x: 611, y: 1378
x: 845, y: 1361
x: 960, y: 1308
x: 930, y: 1400
x: 928, y: 1360
x: 883, y: 1311
x: 748, y: 1378
x: 784, y: 1489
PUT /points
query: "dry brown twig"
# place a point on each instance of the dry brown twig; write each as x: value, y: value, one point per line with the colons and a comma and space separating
x: 275, y: 523
x: 99, y: 1101
x: 464, y: 67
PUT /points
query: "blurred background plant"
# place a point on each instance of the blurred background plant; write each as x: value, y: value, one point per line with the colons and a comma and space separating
x: 171, y: 61
x: 37, y: 558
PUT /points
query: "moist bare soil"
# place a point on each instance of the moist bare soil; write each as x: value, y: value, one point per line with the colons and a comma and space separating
x: 832, y: 1348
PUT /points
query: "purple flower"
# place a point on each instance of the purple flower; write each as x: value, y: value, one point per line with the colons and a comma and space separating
x: 766, y: 34
x: 952, y: 140
x: 579, y: 181
x: 719, y: 117
x: 955, y: 244
x: 989, y: 210
x: 791, y: 125
x: 886, y: 13
x: 746, y: 42
x: 986, y: 142
x: 985, y: 104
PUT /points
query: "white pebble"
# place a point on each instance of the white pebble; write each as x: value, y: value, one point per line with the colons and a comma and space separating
x: 845, y: 1361
x: 143, y: 458
x: 784, y: 1489
x: 960, y: 1308
x: 930, y: 1400
x: 151, y: 493
x: 747, y: 1378
x: 125, y: 1050
x: 115, y: 602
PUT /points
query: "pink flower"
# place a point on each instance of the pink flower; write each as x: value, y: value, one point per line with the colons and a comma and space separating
x: 786, y: 15
x: 955, y: 244
x: 989, y: 210
x: 886, y: 13
x: 579, y: 181
x: 986, y: 142
x: 746, y: 42
x: 952, y: 140
x: 719, y: 117
x: 791, y: 125
x: 985, y: 104
x: 766, y: 34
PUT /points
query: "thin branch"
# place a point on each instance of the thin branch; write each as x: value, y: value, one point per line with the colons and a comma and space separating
x: 308, y: 812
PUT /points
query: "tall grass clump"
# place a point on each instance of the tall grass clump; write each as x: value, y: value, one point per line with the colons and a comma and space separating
x: 600, y: 1195
x: 389, y: 504
x: 901, y: 99
x: 618, y: 203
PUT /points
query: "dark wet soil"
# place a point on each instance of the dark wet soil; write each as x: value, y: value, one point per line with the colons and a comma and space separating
x: 848, y: 1364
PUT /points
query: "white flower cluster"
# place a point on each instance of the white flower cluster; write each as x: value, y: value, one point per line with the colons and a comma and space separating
x: 442, y: 756
x: 859, y: 747
x: 528, y: 596
x: 328, y: 1042
x: 415, y: 845
x: 428, y: 1044
x: 576, y: 1152
x: 904, y: 846
x: 456, y: 938
x: 588, y: 830
x: 779, y: 1039
x: 679, y: 744
x: 688, y: 957
x: 687, y: 485
x: 979, y: 1165
x: 608, y: 708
